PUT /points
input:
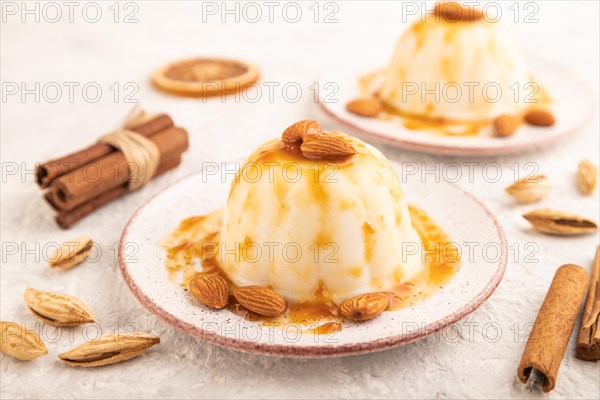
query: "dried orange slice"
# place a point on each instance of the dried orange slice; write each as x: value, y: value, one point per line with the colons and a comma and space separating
x: 199, y: 77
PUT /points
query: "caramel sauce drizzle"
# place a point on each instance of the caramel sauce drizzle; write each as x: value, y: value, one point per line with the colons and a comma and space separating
x: 446, y: 127
x: 369, y: 85
x: 190, y: 251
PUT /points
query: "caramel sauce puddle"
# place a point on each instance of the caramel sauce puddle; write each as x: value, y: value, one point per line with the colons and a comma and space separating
x: 186, y: 258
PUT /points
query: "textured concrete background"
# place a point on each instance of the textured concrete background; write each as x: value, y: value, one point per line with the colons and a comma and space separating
x: 476, y: 358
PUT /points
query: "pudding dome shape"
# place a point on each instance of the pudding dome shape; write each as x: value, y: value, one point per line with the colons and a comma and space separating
x: 306, y: 227
x: 457, y: 70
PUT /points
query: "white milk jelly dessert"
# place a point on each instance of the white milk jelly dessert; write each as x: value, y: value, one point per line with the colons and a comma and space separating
x: 319, y: 219
x: 454, y: 71
x: 476, y: 66
x: 348, y: 229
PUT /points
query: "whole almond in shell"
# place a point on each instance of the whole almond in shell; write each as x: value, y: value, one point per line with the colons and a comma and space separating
x: 540, y: 117
x: 365, y: 306
x: 20, y: 342
x: 587, y: 177
x: 261, y: 300
x: 560, y: 223
x: 530, y: 189
x: 326, y: 147
x: 506, y: 125
x: 109, y: 349
x: 57, y: 309
x: 71, y: 253
x: 365, y: 107
x: 210, y: 290
x: 296, y: 132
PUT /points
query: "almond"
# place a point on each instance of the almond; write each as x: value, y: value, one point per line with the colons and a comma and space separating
x: 587, y: 177
x: 326, y: 147
x: 71, y: 253
x: 261, y: 300
x: 539, y: 117
x: 560, y: 223
x: 365, y: 306
x: 454, y: 12
x: 294, y: 133
x: 57, y: 309
x: 529, y: 190
x: 506, y: 125
x: 20, y: 342
x: 365, y: 107
x: 210, y: 290
x: 110, y: 349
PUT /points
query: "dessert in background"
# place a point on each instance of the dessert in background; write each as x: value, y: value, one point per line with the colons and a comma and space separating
x: 455, y: 72
x: 316, y: 223
x: 449, y: 52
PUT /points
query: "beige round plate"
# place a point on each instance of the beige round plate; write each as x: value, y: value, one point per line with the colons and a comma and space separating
x: 573, y: 104
x: 198, y: 77
x: 142, y: 264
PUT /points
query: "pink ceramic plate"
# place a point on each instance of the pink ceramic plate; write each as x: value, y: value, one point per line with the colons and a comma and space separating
x: 573, y: 105
x: 141, y: 260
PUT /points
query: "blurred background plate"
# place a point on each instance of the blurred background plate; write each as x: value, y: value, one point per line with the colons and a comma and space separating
x: 573, y: 105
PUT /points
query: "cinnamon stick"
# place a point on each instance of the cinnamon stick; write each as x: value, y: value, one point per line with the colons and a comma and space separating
x: 47, y: 172
x: 48, y: 197
x: 83, y: 184
x: 66, y: 219
x: 588, y: 340
x: 553, y: 326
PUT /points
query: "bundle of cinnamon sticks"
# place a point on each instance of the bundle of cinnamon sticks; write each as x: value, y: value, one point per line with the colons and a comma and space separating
x: 588, y: 340
x: 79, y: 183
x: 555, y: 321
x: 553, y: 326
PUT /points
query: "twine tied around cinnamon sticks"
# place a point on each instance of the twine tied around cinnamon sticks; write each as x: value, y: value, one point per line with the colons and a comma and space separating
x: 124, y: 160
x: 141, y: 154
